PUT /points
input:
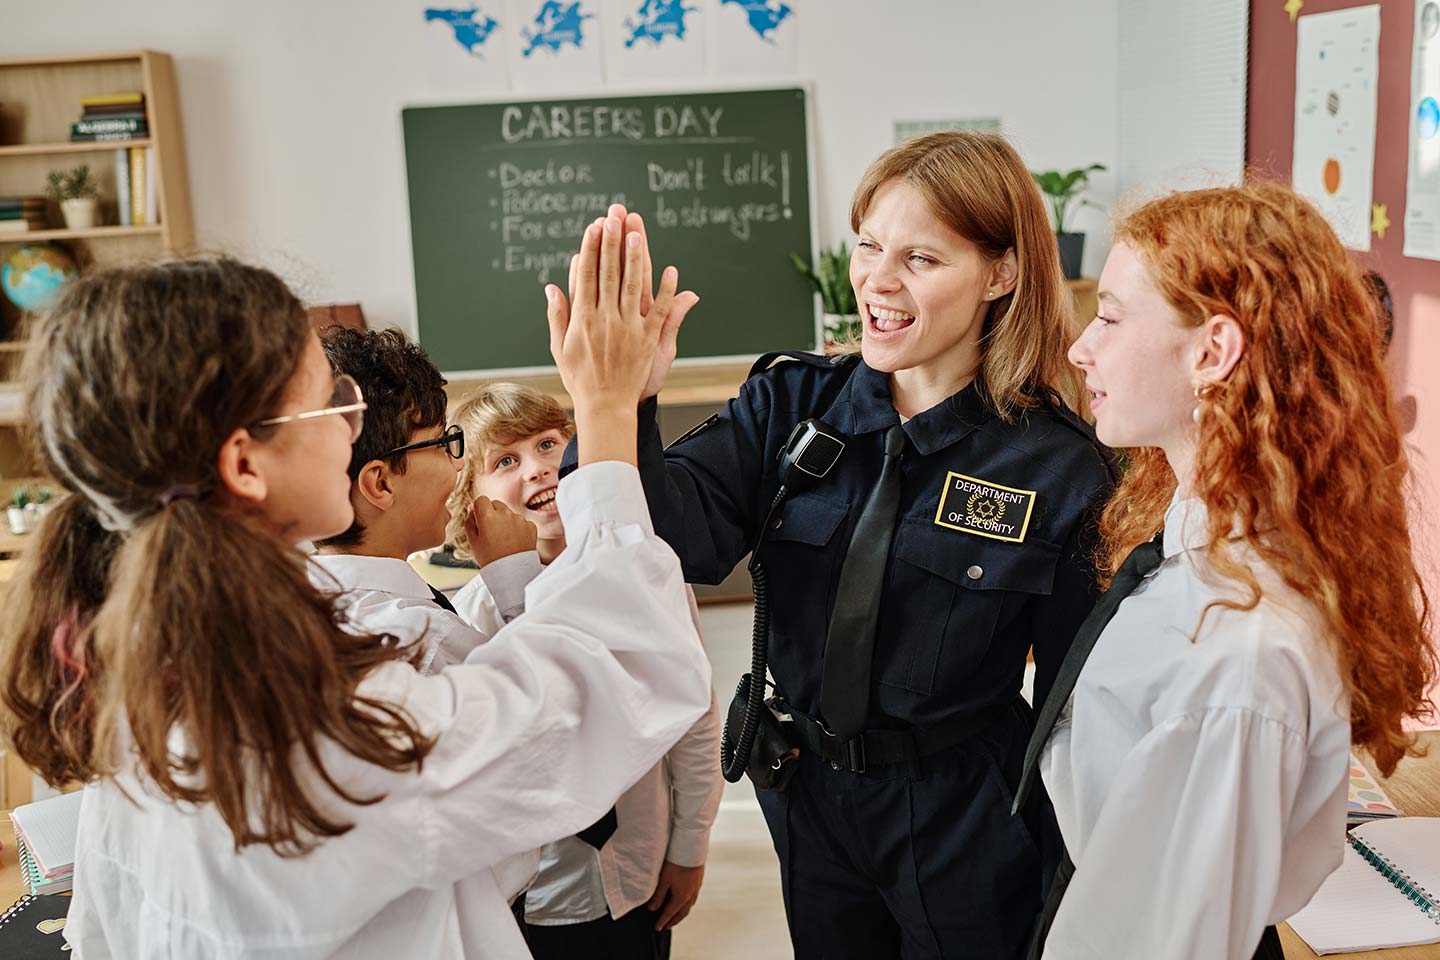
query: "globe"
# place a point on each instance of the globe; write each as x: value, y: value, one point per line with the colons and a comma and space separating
x: 33, y: 275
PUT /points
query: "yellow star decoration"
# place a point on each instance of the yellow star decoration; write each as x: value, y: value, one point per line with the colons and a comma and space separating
x: 1292, y: 7
x: 1379, y: 219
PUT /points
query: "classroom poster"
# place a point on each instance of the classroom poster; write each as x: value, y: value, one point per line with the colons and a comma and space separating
x: 1422, y: 181
x: 465, y: 44
x: 1336, y: 68
x: 754, y: 38
x: 555, y: 45
x: 654, y: 40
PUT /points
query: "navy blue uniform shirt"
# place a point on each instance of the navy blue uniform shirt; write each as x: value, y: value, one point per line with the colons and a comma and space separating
x: 991, y: 554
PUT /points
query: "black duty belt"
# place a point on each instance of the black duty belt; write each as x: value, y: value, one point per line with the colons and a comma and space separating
x: 879, y: 748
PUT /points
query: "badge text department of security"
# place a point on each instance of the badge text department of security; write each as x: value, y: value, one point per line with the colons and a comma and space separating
x: 986, y: 509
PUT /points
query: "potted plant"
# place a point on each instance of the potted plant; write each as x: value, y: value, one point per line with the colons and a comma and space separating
x: 15, y: 513
x: 41, y: 502
x: 831, y: 279
x: 78, y: 195
x: 1064, y: 189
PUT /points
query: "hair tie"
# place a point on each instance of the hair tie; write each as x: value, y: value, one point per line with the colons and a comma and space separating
x: 181, y: 491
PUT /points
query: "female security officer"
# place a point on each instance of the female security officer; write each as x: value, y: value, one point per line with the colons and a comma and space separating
x: 973, y: 487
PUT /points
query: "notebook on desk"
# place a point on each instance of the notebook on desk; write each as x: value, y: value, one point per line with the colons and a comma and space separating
x: 48, y: 828
x: 1385, y: 894
x: 31, y: 929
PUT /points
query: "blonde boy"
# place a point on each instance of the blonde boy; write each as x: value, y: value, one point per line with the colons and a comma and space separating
x: 586, y: 901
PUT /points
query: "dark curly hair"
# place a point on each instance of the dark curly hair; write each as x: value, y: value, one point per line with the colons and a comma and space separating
x: 403, y: 388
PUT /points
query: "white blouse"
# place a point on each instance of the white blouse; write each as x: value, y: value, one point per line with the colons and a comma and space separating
x: 537, y: 735
x: 1200, y: 786
x: 666, y: 815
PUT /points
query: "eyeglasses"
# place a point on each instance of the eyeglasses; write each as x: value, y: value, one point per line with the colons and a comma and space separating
x: 347, y: 401
x: 453, y: 440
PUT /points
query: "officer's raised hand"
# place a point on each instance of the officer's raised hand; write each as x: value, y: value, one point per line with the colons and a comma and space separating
x: 603, y: 343
x: 679, y: 307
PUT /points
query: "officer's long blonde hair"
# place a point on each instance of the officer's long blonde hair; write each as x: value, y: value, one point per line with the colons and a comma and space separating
x: 1298, y: 453
x: 977, y: 185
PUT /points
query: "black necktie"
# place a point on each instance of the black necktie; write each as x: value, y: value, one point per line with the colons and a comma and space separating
x: 850, y: 642
x: 443, y: 600
x: 1141, y: 563
x: 601, y: 830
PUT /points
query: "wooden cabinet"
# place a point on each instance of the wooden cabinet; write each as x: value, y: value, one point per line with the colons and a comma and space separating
x: 39, y: 100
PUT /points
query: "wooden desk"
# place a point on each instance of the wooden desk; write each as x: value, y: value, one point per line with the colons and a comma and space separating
x: 1415, y: 788
x: 11, y: 889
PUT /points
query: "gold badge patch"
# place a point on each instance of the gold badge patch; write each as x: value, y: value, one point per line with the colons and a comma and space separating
x: 985, y: 509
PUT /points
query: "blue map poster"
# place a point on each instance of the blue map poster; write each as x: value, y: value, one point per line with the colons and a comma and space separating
x: 465, y: 43
x: 654, y: 39
x: 556, y: 44
x: 753, y: 37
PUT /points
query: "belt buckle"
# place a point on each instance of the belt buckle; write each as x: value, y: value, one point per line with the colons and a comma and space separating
x: 853, y: 750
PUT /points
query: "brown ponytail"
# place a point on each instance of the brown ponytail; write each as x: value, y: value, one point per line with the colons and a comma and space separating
x: 213, y: 628
x: 184, y: 639
x: 45, y: 659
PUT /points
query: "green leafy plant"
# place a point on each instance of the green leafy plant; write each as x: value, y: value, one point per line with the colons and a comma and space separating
x: 20, y: 497
x: 831, y: 279
x: 44, y: 495
x: 77, y: 183
x: 1064, y: 189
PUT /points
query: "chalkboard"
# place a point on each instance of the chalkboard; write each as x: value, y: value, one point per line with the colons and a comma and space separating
x: 501, y: 192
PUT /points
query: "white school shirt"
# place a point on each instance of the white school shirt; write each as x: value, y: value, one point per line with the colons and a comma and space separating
x: 667, y: 815
x: 387, y: 595
x: 1200, y: 787
x: 537, y: 734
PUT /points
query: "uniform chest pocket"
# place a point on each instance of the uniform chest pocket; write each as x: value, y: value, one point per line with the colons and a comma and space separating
x: 803, y: 551
x: 808, y: 519
x: 952, y: 595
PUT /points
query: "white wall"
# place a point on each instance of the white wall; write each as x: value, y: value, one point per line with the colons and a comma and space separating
x: 292, y: 108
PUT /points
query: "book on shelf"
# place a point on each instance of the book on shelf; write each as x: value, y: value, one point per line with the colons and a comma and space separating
x: 115, y: 109
x: 1382, y: 895
x: 23, y: 203
x: 112, y: 99
x: 134, y: 126
x: 152, y: 187
x: 105, y: 137
x: 122, y: 184
x: 137, y: 186
x: 11, y: 227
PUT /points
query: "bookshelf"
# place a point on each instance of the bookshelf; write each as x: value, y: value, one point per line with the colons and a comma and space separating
x: 39, y: 100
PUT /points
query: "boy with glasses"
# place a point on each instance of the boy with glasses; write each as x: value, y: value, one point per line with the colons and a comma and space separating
x: 402, y: 470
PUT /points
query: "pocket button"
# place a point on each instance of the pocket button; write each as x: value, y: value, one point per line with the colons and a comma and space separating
x: 975, y: 572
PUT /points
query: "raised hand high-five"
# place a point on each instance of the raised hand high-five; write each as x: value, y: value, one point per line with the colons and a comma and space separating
x: 679, y: 307
x: 603, y: 342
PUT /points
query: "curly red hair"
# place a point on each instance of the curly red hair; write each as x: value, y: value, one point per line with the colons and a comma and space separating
x: 1302, y: 441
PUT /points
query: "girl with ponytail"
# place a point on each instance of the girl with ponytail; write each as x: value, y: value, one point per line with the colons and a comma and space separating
x: 262, y: 778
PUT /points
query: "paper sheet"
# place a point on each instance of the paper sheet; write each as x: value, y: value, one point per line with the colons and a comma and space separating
x: 1337, y: 66
x: 1422, y: 182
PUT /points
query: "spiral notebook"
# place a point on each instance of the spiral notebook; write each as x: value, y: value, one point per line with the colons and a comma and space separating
x: 31, y: 929
x: 1386, y: 892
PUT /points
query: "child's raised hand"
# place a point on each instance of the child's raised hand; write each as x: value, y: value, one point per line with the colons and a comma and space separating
x: 496, y: 531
